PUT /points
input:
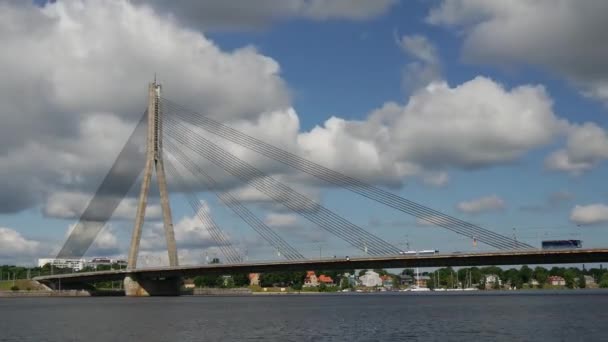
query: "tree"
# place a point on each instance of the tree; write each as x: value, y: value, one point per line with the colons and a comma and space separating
x: 604, y: 281
x: 14, y: 288
x: 362, y: 273
x: 525, y: 274
x: 408, y: 271
x: 581, y: 282
x: 569, y: 276
x: 380, y: 271
x: 541, y: 275
x: 240, y: 279
x: 206, y: 280
x: 344, y: 283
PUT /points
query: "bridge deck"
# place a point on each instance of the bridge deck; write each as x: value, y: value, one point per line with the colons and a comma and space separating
x: 400, y: 261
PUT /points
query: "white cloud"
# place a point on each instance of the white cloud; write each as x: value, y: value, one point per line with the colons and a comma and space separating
x: 483, y: 204
x: 70, y: 205
x: 281, y: 220
x: 473, y: 125
x: 190, y: 233
x: 587, y: 146
x: 71, y: 81
x: 437, y: 179
x: 106, y: 242
x: 13, y: 245
x: 233, y: 14
x: 426, y: 66
x: 589, y: 214
x: 565, y: 37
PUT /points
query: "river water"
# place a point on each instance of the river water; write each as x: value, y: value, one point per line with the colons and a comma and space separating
x: 504, y: 316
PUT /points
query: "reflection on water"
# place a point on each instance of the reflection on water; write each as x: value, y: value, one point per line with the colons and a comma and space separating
x: 529, y: 316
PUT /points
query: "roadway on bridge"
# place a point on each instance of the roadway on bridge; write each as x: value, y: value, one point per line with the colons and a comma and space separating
x: 530, y: 257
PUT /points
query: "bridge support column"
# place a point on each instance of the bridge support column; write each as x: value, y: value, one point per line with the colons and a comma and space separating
x: 147, y: 287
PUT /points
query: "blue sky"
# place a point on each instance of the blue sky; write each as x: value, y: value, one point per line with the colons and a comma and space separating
x: 336, y: 64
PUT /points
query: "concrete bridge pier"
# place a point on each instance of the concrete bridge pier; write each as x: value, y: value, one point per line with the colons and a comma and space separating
x: 145, y: 287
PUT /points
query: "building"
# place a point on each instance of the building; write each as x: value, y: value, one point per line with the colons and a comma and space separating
x: 590, y: 282
x: 387, y: 281
x: 327, y: 280
x: 406, y: 279
x: 254, y: 279
x: 370, y: 279
x: 96, y: 262
x: 311, y: 279
x: 422, y: 280
x: 556, y: 281
x: 189, y: 284
x: 351, y: 279
x: 492, y: 281
x: 74, y: 264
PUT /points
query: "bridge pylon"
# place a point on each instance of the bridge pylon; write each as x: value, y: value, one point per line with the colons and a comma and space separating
x: 154, y: 161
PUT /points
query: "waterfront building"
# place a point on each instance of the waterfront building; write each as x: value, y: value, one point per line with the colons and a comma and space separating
x: 406, y: 279
x: 189, y: 284
x: 311, y: 279
x: 556, y: 281
x: 254, y: 279
x: 370, y: 279
x: 422, y: 280
x: 327, y: 280
x: 590, y: 282
x: 96, y: 262
x: 492, y: 280
x: 387, y: 281
x: 352, y: 279
x: 74, y: 264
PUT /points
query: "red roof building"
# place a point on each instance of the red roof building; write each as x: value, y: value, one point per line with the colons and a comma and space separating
x: 325, y: 279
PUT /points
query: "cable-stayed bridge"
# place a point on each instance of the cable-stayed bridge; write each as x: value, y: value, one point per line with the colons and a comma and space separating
x: 177, y: 141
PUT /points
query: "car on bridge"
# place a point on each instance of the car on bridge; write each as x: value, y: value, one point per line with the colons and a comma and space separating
x: 562, y: 244
x: 422, y: 252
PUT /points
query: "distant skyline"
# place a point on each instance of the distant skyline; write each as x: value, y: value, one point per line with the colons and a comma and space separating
x: 487, y: 111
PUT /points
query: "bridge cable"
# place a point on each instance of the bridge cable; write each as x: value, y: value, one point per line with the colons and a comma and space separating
x: 181, y: 129
x: 433, y: 217
x: 115, y: 186
x: 284, y: 248
x: 214, y: 231
x: 294, y: 201
x: 281, y: 197
x: 279, y: 191
x: 352, y: 184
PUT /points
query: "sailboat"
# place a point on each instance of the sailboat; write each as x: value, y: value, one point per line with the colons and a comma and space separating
x: 470, y: 285
x: 416, y: 287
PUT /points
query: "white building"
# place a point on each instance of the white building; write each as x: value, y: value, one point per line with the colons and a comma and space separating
x: 74, y: 264
x: 96, y: 262
x: 492, y: 280
x: 370, y: 279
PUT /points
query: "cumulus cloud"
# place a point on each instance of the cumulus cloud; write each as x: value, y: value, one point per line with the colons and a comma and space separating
x: 14, y: 245
x: 437, y: 179
x: 70, y: 205
x: 233, y: 14
x: 63, y: 95
x: 589, y: 214
x: 281, y: 220
x: 565, y: 37
x: 106, y: 242
x: 426, y: 66
x: 586, y: 146
x: 473, y: 125
x: 190, y: 233
x: 483, y: 204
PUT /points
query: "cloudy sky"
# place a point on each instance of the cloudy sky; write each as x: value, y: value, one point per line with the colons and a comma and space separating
x: 492, y: 112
